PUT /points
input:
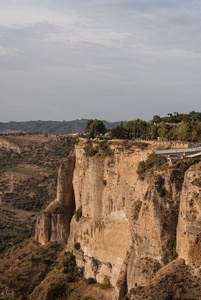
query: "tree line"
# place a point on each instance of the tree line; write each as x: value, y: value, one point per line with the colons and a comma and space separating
x: 173, y: 127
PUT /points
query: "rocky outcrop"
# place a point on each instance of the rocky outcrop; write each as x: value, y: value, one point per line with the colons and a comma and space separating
x: 53, y: 224
x: 127, y: 225
x: 189, y: 226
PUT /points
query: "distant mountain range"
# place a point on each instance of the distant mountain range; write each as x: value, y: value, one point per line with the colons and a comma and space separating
x: 53, y: 127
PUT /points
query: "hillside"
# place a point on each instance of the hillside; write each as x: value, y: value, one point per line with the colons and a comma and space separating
x: 28, y: 181
x: 53, y: 127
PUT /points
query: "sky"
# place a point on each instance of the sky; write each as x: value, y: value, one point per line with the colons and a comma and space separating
x: 106, y: 59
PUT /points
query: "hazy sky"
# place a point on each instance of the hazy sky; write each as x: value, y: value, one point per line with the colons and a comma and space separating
x: 106, y: 59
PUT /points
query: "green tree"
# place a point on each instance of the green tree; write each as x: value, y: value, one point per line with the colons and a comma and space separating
x: 184, y: 132
x: 138, y: 128
x: 94, y: 128
x: 163, y: 130
x: 154, y: 131
x: 119, y: 132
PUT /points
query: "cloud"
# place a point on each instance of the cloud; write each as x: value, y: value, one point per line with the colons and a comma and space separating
x: 7, y: 53
x: 79, y: 57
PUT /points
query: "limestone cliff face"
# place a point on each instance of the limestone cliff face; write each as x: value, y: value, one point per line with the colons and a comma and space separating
x: 189, y: 225
x: 126, y: 224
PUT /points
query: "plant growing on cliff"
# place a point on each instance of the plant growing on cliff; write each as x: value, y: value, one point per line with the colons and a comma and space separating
x: 78, y: 214
x: 77, y: 246
x: 57, y: 210
x: 105, y: 284
x: 104, y: 145
x: 68, y: 260
x: 172, y: 254
x: 153, y: 162
x: 137, y: 209
x: 90, y: 280
x: 89, y: 149
x: 185, y: 164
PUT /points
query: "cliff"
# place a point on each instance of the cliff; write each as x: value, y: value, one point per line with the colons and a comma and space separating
x: 127, y: 226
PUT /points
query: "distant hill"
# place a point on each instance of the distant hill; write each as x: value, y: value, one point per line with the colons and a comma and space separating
x: 53, y: 127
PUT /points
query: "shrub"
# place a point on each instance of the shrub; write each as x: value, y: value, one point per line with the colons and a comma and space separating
x: 90, y: 280
x: 172, y: 254
x: 57, y: 210
x: 106, y: 148
x: 105, y: 284
x: 104, y: 182
x: 68, y: 260
x: 137, y: 209
x: 90, y: 150
x: 78, y: 214
x: 161, y: 191
x: 152, y: 162
x: 77, y: 246
x: 185, y: 164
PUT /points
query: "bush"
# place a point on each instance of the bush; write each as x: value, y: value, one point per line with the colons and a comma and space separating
x: 172, y: 254
x: 152, y: 162
x: 68, y: 260
x: 78, y: 214
x: 77, y: 246
x: 161, y: 191
x: 90, y: 280
x: 137, y: 209
x: 105, y: 284
x: 185, y: 164
x: 57, y: 210
x: 106, y: 148
x: 90, y: 150
x: 104, y: 182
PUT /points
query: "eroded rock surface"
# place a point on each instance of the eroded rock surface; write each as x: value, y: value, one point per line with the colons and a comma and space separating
x: 126, y: 225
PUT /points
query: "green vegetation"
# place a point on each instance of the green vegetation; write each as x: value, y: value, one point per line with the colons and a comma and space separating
x: 104, y: 145
x: 105, y: 284
x: 89, y: 149
x: 172, y: 254
x: 153, y: 162
x: 119, y: 132
x: 90, y: 280
x: 68, y: 260
x: 94, y: 128
x: 78, y: 214
x: 57, y: 210
x: 138, y: 206
x: 185, y: 164
x: 29, y: 172
x: 60, y: 291
x: 161, y: 192
x: 104, y: 182
x: 77, y: 246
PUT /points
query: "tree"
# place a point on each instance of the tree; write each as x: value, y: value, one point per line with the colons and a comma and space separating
x: 94, y: 128
x: 184, y: 131
x: 138, y: 128
x: 119, y: 132
x: 163, y: 130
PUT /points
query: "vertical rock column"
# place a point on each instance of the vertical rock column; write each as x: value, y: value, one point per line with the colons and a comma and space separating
x: 53, y: 224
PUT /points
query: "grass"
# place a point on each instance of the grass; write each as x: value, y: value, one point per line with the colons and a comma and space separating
x: 31, y: 172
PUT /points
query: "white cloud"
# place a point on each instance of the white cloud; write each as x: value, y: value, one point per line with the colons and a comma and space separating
x: 7, y: 53
x: 87, y: 54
